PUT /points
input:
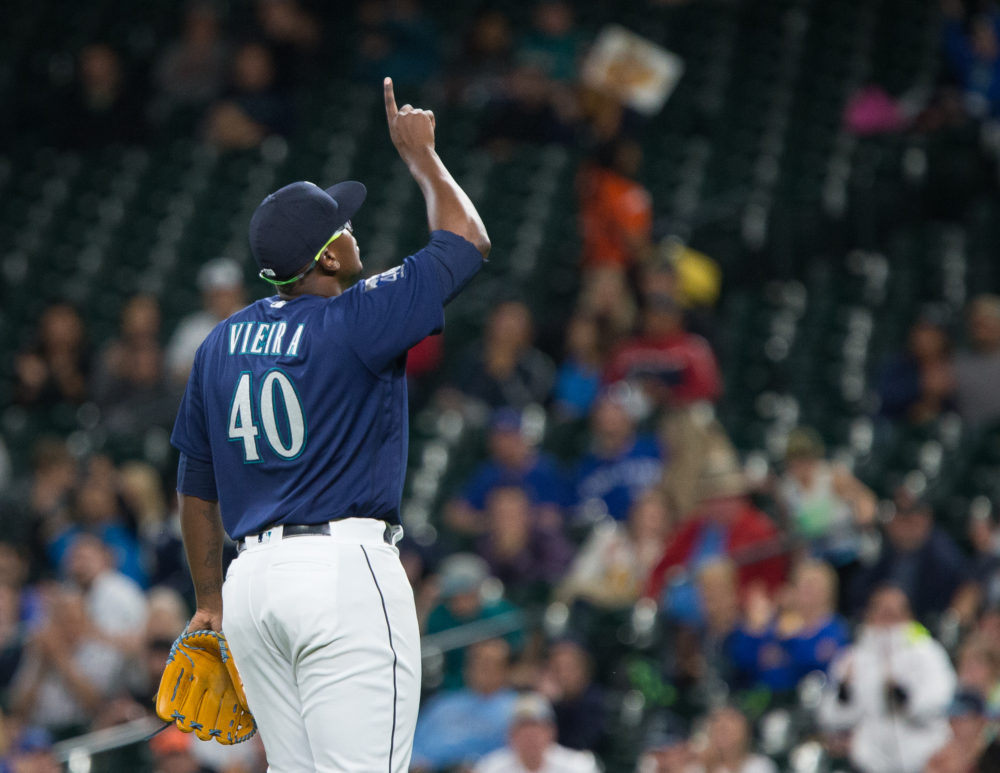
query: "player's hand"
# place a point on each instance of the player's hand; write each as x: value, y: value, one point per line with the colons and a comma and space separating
x: 205, y: 620
x: 411, y: 129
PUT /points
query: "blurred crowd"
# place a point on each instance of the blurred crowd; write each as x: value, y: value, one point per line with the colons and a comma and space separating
x: 620, y: 583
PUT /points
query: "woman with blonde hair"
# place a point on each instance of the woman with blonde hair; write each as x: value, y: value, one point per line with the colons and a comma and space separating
x: 611, y: 568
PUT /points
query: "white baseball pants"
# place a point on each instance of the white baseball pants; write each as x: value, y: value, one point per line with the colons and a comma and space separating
x: 324, y: 633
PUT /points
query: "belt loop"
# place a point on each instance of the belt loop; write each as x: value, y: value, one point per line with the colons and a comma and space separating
x: 392, y: 534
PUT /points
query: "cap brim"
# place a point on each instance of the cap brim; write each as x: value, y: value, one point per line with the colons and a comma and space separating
x: 349, y: 195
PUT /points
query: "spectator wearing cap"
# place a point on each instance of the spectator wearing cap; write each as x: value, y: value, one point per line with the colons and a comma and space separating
x: 462, y: 594
x: 889, y: 690
x: 514, y: 461
x: 31, y: 752
x: 977, y: 370
x: 725, y: 524
x: 824, y: 503
x: 923, y: 561
x: 665, y: 748
x: 220, y: 282
x: 506, y: 369
x: 577, y: 700
x: 971, y: 746
x: 673, y: 366
x: 525, y: 554
x: 611, y: 569
x: 778, y: 647
x: 620, y: 465
x: 457, y: 727
x: 531, y: 744
x: 727, y: 748
x: 918, y: 384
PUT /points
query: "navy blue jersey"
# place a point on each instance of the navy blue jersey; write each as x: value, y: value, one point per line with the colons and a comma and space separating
x: 300, y: 405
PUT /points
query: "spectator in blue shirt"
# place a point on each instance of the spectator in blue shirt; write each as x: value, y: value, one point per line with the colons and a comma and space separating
x: 620, y: 465
x: 97, y: 510
x: 578, y: 381
x: 778, y: 648
x: 457, y: 727
x: 514, y: 461
x: 973, y: 53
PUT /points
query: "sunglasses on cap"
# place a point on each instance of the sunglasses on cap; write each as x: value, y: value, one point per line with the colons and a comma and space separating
x: 336, y: 235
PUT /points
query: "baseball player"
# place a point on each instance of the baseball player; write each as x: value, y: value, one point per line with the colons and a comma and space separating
x: 293, y: 437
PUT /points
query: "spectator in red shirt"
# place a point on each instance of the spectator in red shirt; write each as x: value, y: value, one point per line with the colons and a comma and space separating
x: 725, y: 524
x: 674, y: 366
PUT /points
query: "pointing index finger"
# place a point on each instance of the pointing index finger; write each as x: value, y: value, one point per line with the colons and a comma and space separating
x: 390, y: 99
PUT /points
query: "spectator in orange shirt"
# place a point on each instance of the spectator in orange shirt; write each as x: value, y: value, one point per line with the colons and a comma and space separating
x: 616, y: 223
x: 616, y: 212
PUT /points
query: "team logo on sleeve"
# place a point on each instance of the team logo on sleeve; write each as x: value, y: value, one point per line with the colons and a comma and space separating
x: 384, y: 278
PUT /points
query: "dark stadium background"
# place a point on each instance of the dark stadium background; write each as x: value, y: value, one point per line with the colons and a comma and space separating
x: 834, y: 161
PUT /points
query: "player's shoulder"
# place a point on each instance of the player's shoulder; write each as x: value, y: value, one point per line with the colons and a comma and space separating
x: 387, y: 277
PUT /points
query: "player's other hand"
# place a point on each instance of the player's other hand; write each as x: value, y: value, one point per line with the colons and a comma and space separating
x: 205, y: 620
x: 411, y: 129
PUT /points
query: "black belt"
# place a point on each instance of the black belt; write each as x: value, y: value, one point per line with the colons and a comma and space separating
x: 306, y: 530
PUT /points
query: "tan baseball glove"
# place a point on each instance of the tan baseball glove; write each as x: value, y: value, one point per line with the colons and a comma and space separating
x: 201, y: 690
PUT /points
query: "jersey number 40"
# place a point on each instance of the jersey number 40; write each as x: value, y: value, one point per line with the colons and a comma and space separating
x: 278, y: 410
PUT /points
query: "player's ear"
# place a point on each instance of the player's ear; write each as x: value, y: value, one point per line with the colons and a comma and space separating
x: 330, y: 262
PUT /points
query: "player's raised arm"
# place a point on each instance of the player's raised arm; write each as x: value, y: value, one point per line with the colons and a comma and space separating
x: 448, y: 207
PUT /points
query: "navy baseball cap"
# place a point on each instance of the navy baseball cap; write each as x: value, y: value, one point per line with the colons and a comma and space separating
x: 505, y: 420
x: 294, y: 225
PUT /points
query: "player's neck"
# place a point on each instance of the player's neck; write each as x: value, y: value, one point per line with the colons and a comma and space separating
x: 323, y: 286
